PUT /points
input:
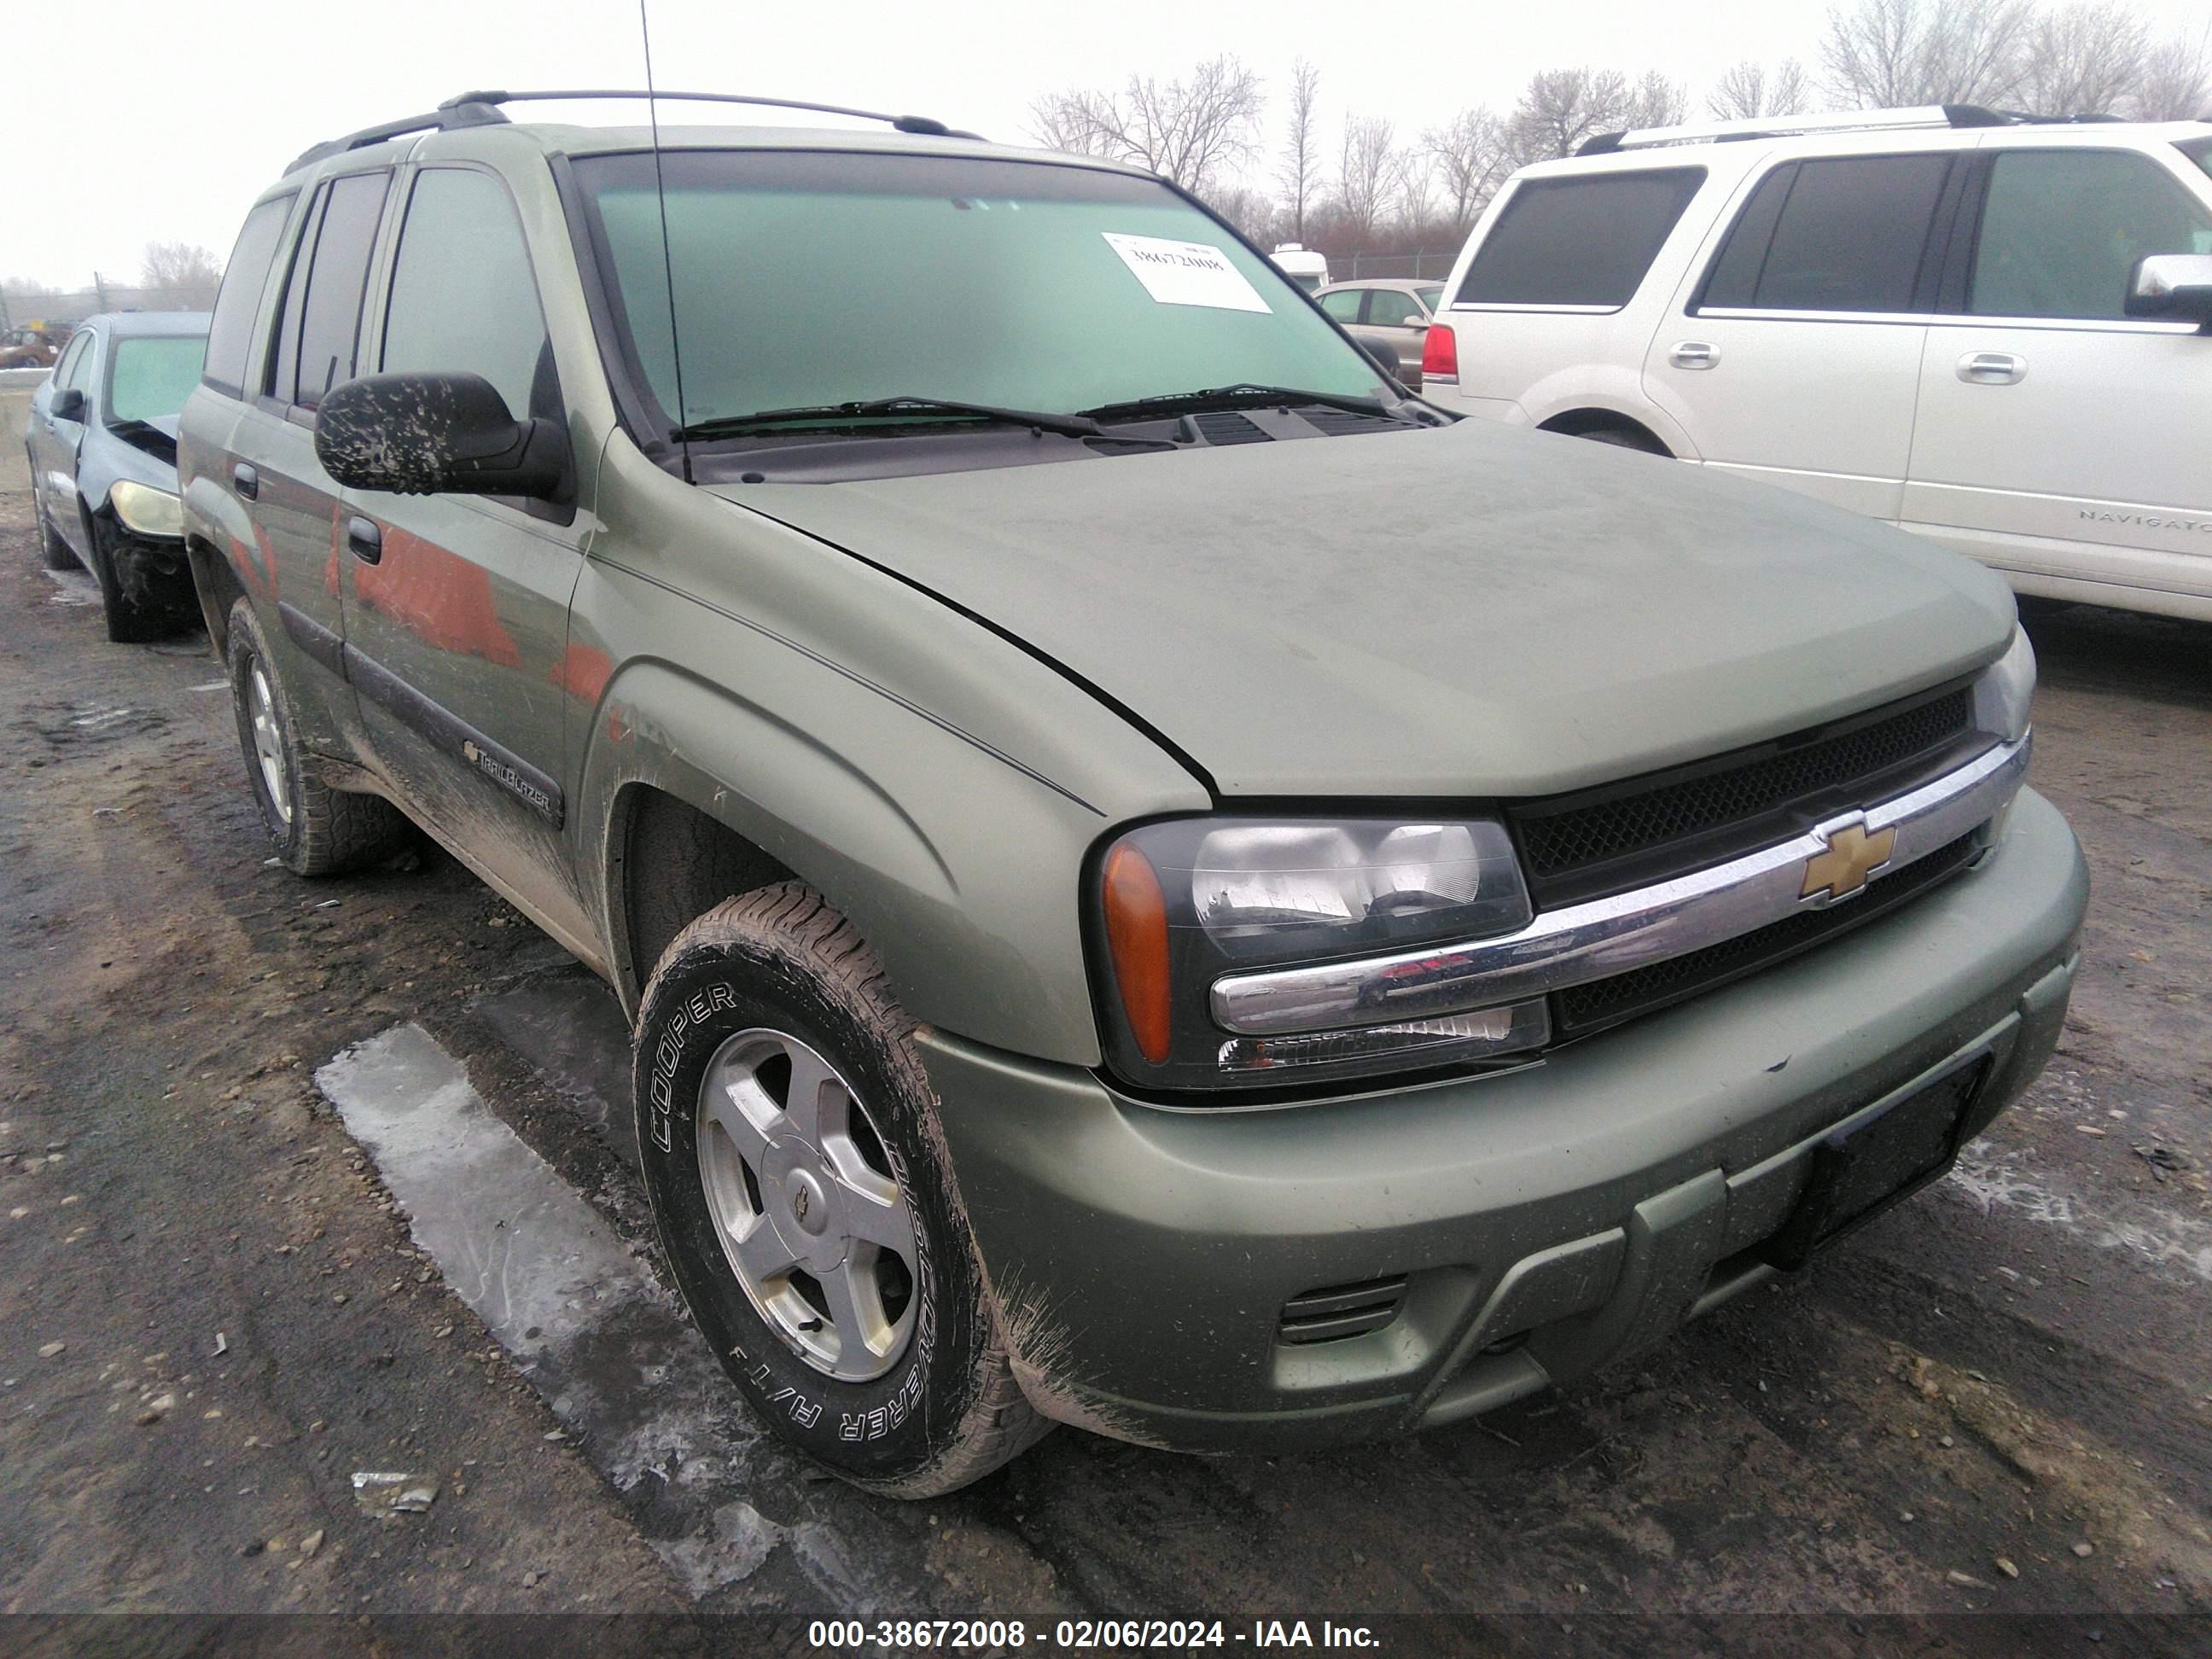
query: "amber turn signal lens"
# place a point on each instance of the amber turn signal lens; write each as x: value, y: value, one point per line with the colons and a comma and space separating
x: 1137, y: 939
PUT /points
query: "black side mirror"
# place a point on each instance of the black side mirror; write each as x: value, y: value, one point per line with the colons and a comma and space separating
x: 424, y: 434
x: 2174, y: 286
x: 68, y: 405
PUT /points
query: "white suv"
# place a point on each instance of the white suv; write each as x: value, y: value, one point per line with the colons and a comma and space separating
x: 1996, y: 332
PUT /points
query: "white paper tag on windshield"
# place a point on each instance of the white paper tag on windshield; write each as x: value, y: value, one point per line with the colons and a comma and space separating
x: 1186, y: 273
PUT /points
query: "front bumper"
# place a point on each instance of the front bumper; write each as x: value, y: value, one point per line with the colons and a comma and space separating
x: 1544, y: 1220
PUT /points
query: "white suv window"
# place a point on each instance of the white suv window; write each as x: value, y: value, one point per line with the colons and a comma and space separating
x: 2062, y: 230
x: 1840, y: 233
x: 1585, y: 240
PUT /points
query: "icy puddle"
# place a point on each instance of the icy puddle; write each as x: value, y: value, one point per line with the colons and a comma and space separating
x: 733, y: 1514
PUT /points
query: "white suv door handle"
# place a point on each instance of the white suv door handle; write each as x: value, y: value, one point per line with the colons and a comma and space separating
x: 1693, y: 354
x: 1992, y: 369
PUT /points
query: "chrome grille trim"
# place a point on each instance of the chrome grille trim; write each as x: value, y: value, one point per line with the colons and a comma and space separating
x: 1583, y: 942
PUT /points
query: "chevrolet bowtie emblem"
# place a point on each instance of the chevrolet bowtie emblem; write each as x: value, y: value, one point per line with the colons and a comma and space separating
x: 1852, y: 856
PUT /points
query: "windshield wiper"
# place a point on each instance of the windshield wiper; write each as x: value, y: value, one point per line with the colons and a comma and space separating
x: 1245, y: 394
x: 723, y: 426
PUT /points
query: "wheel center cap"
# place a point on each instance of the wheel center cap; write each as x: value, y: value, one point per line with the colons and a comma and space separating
x: 809, y: 1207
x: 794, y: 1195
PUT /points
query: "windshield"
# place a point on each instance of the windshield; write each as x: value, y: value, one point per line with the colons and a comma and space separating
x: 150, y: 378
x: 1432, y: 296
x: 804, y: 279
x: 2200, y: 152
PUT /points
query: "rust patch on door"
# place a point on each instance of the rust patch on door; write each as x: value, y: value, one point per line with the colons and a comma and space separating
x: 437, y: 595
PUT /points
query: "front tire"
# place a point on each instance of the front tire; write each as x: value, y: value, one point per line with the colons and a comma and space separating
x: 802, y: 1193
x: 318, y: 831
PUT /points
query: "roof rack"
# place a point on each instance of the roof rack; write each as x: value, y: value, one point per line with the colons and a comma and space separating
x: 453, y: 113
x: 926, y: 126
x: 481, y: 109
x: 1791, y: 126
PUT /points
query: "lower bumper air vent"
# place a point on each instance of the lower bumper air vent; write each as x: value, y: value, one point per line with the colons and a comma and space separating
x: 1337, y: 1311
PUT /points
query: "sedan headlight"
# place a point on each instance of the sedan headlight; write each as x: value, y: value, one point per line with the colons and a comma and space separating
x: 1180, y: 903
x: 145, y: 510
x: 2005, y: 689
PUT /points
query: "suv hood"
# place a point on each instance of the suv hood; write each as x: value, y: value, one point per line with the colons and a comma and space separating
x: 1467, y: 610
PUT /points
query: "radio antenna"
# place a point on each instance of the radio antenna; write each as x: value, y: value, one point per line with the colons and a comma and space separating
x: 667, y: 261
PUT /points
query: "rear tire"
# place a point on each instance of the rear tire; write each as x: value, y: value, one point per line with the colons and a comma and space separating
x: 319, y: 831
x: 1621, y: 438
x: 866, y: 1340
x: 54, y: 553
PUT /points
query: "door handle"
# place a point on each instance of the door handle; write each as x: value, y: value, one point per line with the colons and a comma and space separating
x: 1992, y: 369
x: 1693, y: 354
x: 365, y: 540
x: 246, y: 481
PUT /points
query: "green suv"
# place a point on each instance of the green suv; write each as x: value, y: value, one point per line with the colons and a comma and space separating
x: 1163, y: 885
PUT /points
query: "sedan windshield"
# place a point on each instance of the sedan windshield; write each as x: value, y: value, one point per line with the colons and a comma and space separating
x: 151, y: 378
x: 805, y: 280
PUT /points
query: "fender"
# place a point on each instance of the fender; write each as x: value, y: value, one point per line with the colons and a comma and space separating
x: 960, y: 869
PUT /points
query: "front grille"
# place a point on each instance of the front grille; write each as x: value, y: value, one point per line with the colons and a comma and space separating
x: 1584, y: 1008
x: 1341, y: 1310
x: 1598, y: 841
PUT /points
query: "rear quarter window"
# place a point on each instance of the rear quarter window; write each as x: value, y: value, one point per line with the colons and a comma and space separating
x: 1582, y: 240
x: 231, y: 334
x: 1832, y: 234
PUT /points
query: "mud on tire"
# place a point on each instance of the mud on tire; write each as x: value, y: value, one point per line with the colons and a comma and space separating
x: 946, y: 1409
x: 319, y: 831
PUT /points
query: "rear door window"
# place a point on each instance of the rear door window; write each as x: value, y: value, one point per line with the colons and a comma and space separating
x: 1839, y: 233
x: 2062, y: 230
x: 1343, y: 303
x: 231, y: 334
x: 1581, y: 240
x: 329, y: 320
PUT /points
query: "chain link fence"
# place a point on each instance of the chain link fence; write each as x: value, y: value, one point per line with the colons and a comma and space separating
x: 1422, y: 265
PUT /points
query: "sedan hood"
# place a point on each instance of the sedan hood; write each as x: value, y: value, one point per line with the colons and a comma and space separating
x: 1465, y: 611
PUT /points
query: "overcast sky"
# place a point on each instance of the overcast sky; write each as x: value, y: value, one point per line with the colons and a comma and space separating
x: 161, y: 119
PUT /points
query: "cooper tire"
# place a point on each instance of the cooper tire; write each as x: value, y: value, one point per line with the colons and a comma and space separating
x: 318, y: 831
x: 779, y: 966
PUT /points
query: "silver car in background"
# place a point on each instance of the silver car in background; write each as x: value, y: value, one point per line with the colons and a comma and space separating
x: 1388, y: 315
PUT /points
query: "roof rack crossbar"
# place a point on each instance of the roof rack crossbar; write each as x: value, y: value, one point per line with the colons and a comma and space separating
x: 1791, y: 126
x: 926, y: 126
x: 453, y: 113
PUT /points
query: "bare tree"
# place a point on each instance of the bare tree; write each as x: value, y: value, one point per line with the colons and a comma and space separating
x: 1657, y: 101
x: 1191, y: 130
x: 1300, y: 174
x: 181, y: 272
x: 1366, y: 172
x: 1472, y: 156
x: 1747, y: 90
x: 1560, y: 109
x: 2084, y: 58
x: 1888, y: 54
x: 2177, y: 81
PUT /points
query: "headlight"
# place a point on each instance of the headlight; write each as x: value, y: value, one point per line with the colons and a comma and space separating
x: 1182, y: 903
x: 148, y: 510
x: 2007, y: 687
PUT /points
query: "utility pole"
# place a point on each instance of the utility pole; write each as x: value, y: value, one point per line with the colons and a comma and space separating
x: 99, y: 291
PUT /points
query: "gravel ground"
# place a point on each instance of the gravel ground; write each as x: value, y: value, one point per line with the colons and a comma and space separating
x: 1993, y: 1400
